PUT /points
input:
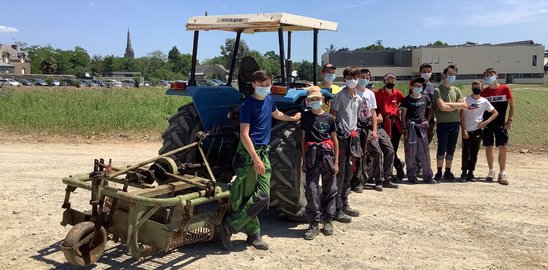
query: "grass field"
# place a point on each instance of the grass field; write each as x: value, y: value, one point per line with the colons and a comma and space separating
x: 145, y: 110
x: 86, y: 111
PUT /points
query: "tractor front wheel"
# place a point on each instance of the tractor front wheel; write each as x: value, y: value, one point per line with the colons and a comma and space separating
x: 82, y: 246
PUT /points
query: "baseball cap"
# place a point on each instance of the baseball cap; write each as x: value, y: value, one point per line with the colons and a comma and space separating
x: 389, y: 75
x: 314, y: 91
x: 326, y: 66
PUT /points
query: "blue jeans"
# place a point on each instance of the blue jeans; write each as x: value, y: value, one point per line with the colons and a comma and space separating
x: 448, y: 133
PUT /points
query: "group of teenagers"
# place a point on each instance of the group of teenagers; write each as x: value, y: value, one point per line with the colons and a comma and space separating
x: 359, y: 131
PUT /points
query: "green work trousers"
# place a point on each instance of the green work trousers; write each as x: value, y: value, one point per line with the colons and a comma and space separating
x: 249, y: 192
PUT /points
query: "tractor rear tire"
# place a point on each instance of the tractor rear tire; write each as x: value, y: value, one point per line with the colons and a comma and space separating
x: 287, y: 182
x: 182, y: 130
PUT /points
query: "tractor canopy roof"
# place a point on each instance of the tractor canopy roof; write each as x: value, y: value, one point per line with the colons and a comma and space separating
x: 262, y: 22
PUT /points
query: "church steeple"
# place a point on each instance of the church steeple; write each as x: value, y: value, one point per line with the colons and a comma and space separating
x: 129, y: 50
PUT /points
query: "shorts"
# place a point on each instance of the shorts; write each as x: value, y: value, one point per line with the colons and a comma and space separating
x: 497, y: 136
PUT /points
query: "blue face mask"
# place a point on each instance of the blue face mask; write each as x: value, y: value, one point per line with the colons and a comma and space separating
x: 315, y: 105
x: 262, y: 91
x: 451, y: 79
x: 490, y: 79
x: 417, y: 90
x: 329, y: 77
x: 363, y: 82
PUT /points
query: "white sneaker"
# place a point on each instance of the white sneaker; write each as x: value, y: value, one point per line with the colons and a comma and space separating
x: 490, y: 176
x: 503, y: 180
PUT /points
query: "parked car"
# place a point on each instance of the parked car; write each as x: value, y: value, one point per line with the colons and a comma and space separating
x: 219, y: 82
x: 88, y: 83
x: 128, y: 83
x: 26, y: 82
x: 207, y: 82
x: 55, y: 83
x: 68, y: 82
x: 40, y: 82
x: 113, y: 83
x: 11, y: 82
x: 164, y: 83
x: 99, y: 83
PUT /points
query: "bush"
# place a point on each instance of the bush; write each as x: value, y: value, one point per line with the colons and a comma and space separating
x: 49, y: 81
x: 77, y: 83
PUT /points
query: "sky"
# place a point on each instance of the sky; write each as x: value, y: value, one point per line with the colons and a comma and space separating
x: 100, y: 26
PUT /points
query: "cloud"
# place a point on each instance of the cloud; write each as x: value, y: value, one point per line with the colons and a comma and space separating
x: 7, y: 29
x: 509, y: 12
x: 91, y: 3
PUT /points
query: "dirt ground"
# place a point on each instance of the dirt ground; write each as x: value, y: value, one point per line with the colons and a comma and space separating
x: 446, y: 226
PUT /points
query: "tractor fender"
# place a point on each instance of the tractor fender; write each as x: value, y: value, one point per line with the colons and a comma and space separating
x: 212, y: 103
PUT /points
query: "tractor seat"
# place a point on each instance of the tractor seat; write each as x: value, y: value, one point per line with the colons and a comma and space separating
x: 248, y: 66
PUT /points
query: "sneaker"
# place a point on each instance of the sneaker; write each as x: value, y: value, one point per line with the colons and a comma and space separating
x: 413, y: 180
x: 358, y: 188
x: 490, y: 176
x: 378, y: 185
x: 388, y: 184
x: 430, y: 181
x: 351, y: 212
x: 503, y: 180
x: 327, y: 228
x: 463, y: 177
x: 341, y: 217
x: 437, y: 177
x: 312, y: 231
x: 257, y: 242
x: 449, y: 176
x: 470, y: 177
x: 224, y: 235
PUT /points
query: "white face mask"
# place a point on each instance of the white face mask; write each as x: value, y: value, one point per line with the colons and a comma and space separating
x: 351, y: 83
x: 426, y: 76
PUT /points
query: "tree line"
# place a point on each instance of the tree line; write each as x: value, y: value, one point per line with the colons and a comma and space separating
x: 154, y: 66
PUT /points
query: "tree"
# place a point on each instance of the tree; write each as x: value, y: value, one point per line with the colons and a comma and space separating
x: 304, y: 70
x: 228, y: 49
x: 331, y: 49
x: 97, y: 65
x: 438, y: 43
x: 175, y: 60
x: 343, y: 49
x: 48, y: 65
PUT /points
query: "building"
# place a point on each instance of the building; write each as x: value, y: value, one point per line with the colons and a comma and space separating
x: 515, y: 62
x: 130, y: 54
x: 215, y: 71
x: 13, y: 61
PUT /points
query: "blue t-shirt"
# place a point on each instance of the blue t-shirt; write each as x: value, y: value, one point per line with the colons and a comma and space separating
x: 258, y: 114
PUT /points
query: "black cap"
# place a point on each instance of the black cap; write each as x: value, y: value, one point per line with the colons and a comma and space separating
x: 418, y: 79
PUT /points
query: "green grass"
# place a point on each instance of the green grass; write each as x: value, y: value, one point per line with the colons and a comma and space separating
x: 86, y: 111
x: 145, y: 110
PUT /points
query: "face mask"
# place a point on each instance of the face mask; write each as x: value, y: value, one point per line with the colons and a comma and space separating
x: 417, y: 90
x: 315, y: 105
x: 363, y: 82
x: 426, y: 76
x: 490, y: 79
x: 390, y: 85
x: 262, y: 91
x: 451, y: 79
x: 351, y: 83
x: 476, y: 90
x: 329, y: 77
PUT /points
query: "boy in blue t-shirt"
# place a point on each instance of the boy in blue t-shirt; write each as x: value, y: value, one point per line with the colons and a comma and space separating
x: 250, y: 191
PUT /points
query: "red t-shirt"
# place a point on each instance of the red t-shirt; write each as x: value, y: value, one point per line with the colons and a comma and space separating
x: 499, y: 98
x: 388, y: 103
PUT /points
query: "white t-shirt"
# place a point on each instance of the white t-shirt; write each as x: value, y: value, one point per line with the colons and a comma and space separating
x: 474, y: 114
x: 368, y: 102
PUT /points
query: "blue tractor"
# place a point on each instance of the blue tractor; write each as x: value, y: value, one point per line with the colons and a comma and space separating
x: 215, y: 109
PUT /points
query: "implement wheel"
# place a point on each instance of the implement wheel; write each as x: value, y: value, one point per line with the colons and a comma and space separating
x: 83, y: 253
